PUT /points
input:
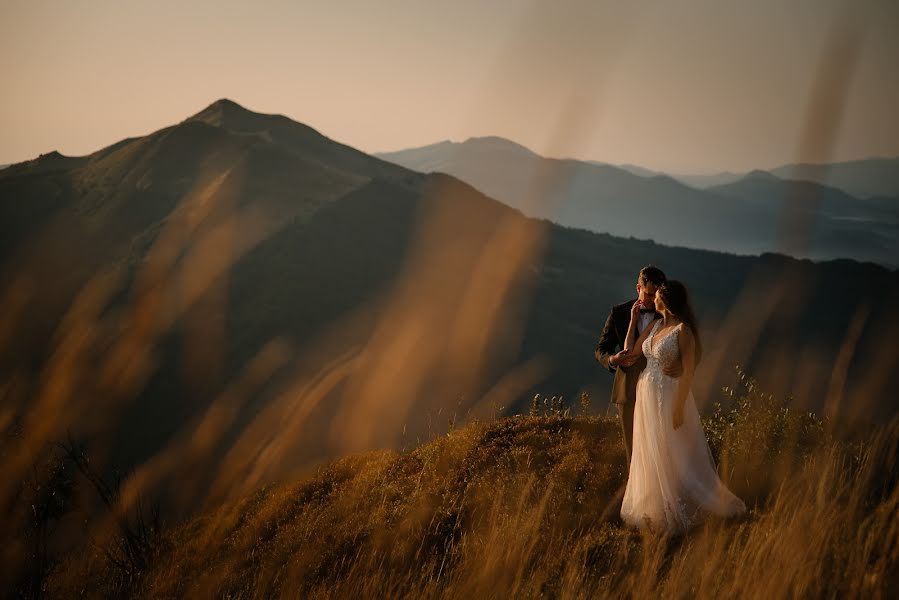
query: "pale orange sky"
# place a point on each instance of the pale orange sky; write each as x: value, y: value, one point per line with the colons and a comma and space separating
x: 682, y: 86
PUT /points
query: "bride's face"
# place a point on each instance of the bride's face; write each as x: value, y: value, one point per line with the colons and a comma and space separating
x: 660, y: 304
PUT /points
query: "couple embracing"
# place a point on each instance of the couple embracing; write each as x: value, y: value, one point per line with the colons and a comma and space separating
x: 652, y: 346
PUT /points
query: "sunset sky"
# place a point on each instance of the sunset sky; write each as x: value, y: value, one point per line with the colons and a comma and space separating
x: 676, y: 86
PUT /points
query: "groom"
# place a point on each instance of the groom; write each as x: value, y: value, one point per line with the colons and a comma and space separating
x: 611, y: 354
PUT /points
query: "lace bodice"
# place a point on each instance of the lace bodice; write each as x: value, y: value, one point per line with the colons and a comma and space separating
x: 664, y: 350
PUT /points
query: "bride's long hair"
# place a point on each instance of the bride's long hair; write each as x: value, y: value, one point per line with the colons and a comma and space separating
x: 677, y: 301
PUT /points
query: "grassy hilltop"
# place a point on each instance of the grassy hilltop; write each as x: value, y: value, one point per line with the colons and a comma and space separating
x: 226, y: 301
x: 231, y: 229
x: 526, y: 506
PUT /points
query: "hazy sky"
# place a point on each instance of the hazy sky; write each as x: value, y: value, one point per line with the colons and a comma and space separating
x: 683, y: 86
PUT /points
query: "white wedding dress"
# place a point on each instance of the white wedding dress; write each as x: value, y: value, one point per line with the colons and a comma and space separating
x: 672, y: 481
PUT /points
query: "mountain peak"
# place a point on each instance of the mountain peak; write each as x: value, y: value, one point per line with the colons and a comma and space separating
x: 759, y: 174
x: 661, y: 178
x: 496, y: 142
x: 220, y: 112
x: 227, y: 114
x: 225, y: 102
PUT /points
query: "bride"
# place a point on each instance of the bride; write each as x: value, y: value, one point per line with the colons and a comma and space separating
x: 672, y: 481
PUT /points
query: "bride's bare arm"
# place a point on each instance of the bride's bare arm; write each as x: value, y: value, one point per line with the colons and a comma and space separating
x: 632, y: 327
x: 687, y: 345
x: 630, y: 345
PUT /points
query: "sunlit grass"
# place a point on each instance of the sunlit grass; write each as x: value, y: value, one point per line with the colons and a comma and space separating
x: 526, y: 506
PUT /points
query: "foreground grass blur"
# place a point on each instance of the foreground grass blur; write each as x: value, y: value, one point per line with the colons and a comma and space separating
x: 526, y: 506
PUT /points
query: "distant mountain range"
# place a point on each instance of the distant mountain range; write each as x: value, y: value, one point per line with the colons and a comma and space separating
x: 697, y: 181
x: 339, y: 226
x: 871, y: 177
x: 746, y: 214
x: 864, y: 178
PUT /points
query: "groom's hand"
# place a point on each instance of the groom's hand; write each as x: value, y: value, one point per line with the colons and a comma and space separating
x: 623, y: 359
x: 675, y: 369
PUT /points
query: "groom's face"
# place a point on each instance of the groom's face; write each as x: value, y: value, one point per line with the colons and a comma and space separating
x: 646, y: 292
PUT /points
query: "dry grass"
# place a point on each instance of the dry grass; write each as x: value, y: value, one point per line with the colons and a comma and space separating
x: 526, y: 506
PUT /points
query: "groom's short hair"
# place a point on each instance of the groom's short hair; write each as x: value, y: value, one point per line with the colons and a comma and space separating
x: 653, y: 274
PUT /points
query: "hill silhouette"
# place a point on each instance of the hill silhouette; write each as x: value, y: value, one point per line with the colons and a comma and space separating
x: 701, y: 181
x: 870, y: 177
x: 867, y: 227
x: 299, y: 139
x: 623, y: 201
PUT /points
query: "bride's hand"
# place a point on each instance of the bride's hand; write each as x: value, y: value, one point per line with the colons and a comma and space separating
x: 635, y: 309
x: 678, y: 418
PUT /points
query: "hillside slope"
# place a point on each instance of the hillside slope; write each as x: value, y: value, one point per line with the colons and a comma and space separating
x: 526, y: 506
x: 301, y: 243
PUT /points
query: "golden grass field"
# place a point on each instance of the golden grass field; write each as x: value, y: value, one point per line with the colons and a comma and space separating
x: 526, y: 506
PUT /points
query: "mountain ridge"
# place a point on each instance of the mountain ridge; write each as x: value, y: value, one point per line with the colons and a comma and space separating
x: 347, y: 247
x: 648, y: 205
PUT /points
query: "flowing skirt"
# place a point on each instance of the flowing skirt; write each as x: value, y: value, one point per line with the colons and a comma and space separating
x: 672, y: 481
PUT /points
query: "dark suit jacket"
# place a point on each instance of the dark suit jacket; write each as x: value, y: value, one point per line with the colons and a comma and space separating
x: 624, y: 388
